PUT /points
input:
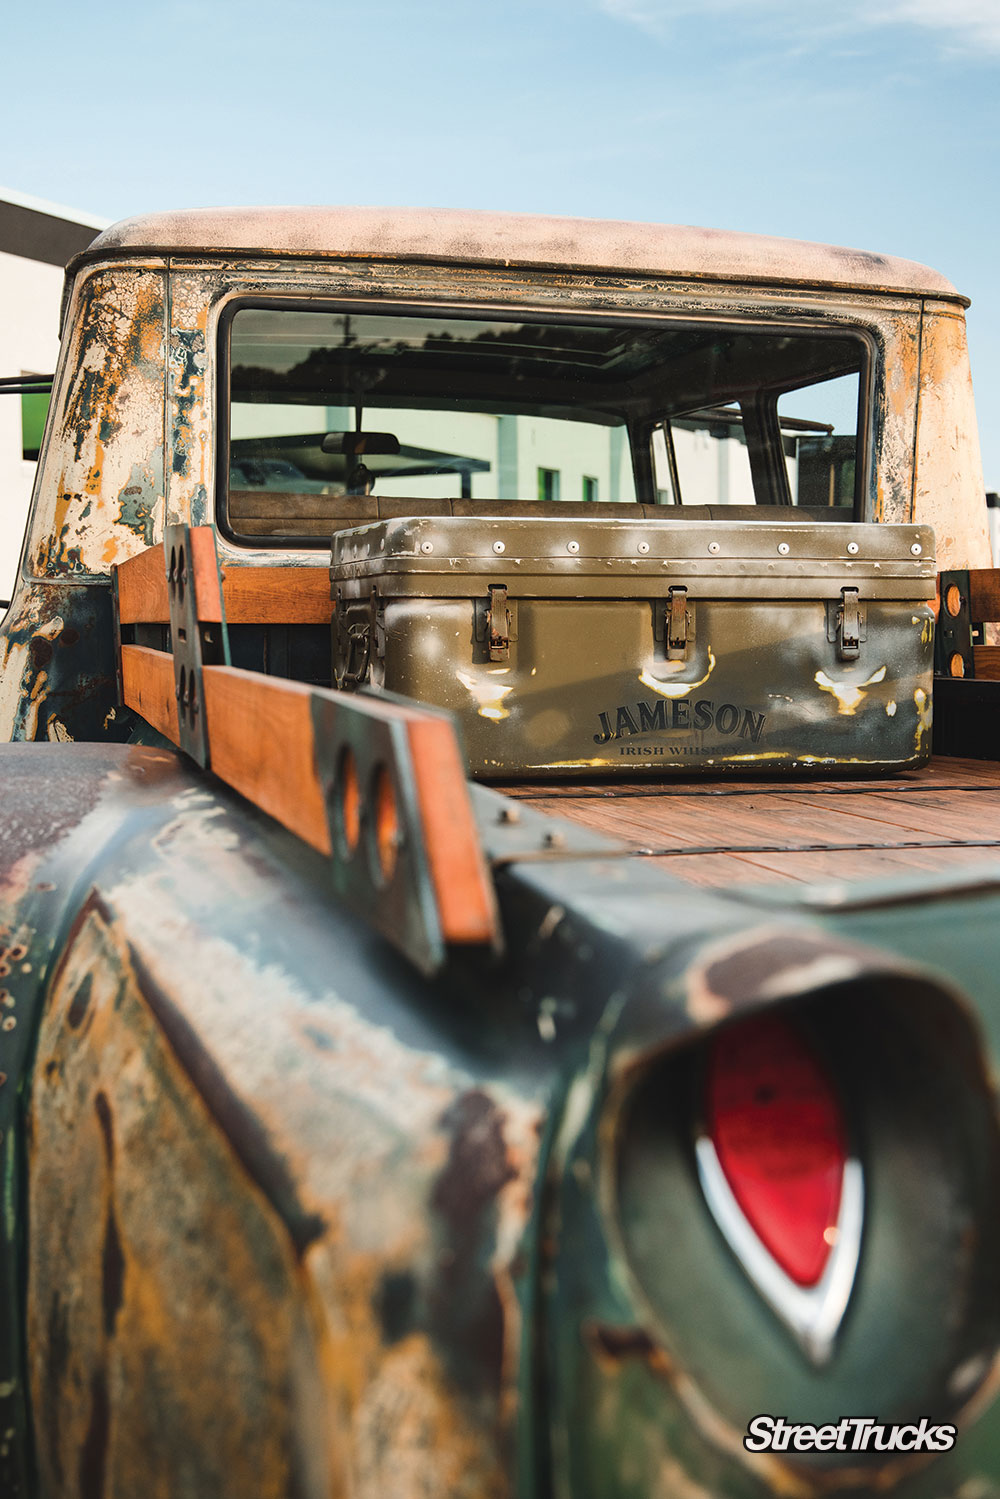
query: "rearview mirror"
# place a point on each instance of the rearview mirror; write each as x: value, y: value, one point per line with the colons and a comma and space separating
x: 353, y: 444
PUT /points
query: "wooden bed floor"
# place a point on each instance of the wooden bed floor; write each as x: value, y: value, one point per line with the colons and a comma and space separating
x: 942, y: 818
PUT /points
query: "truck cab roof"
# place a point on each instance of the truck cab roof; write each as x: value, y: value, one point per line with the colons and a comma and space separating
x: 470, y: 237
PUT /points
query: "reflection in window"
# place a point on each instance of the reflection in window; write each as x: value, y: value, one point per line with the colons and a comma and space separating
x: 548, y: 484
x: 822, y: 454
x: 476, y: 410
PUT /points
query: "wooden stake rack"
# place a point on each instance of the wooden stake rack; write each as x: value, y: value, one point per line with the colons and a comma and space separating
x: 378, y: 786
x: 967, y: 598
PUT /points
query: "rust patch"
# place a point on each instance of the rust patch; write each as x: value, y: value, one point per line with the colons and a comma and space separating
x: 395, y: 1305
x: 112, y: 1258
x: 239, y: 1124
x: 112, y: 1273
x: 744, y: 973
x: 466, y: 1311
x: 183, y: 1253
x: 94, y: 1453
x: 613, y: 1347
x: 80, y: 1002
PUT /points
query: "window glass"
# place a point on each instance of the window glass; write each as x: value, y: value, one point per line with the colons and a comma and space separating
x: 34, y: 410
x: 819, y: 425
x: 326, y: 407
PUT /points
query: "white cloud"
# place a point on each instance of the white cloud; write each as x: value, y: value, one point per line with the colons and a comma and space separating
x: 963, y: 24
x: 973, y: 22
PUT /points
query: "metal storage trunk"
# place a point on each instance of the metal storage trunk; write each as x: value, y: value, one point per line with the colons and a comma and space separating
x: 640, y: 647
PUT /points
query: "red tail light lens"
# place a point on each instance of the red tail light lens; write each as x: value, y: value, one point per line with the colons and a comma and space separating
x: 778, y: 1133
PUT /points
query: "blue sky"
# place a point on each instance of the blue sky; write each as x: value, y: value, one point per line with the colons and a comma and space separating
x: 872, y: 124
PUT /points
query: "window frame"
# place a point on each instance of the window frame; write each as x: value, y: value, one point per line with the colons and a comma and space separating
x: 639, y: 434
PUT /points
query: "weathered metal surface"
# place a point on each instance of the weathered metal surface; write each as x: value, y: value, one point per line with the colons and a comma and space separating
x: 284, y: 1196
x: 57, y: 665
x: 280, y: 1221
x: 99, y: 490
x: 40, y: 854
x: 518, y: 239
x: 191, y: 380
x: 105, y: 486
x: 660, y: 1350
x: 948, y: 484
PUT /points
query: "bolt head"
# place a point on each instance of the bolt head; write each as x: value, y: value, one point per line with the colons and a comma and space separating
x: 643, y: 547
x: 498, y: 546
x: 783, y: 548
x: 916, y: 549
x: 427, y: 546
x: 572, y: 546
x: 852, y: 547
x: 713, y: 546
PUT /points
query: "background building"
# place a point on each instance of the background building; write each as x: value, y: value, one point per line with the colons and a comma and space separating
x: 36, y: 241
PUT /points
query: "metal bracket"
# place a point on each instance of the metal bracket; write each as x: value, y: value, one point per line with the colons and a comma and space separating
x: 512, y: 832
x: 191, y: 581
x: 357, y: 636
x: 953, y: 654
x: 847, y: 625
x: 368, y: 765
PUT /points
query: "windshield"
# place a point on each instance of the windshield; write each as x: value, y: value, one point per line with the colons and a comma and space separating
x: 329, y: 411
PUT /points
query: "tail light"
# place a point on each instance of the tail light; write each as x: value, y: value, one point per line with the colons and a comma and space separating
x: 776, y: 1173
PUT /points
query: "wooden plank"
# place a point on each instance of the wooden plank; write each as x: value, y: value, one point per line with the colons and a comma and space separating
x: 148, y: 688
x: 277, y: 595
x: 262, y: 743
x: 794, y: 817
x: 847, y: 867
x: 464, y: 891
x: 260, y: 735
x: 984, y: 595
x: 142, y: 589
x: 767, y: 820
x: 273, y: 595
x: 203, y: 570
x: 986, y: 659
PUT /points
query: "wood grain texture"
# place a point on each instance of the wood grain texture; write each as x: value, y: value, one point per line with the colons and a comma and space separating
x: 462, y: 886
x: 260, y: 734
x: 142, y: 589
x: 148, y: 688
x: 273, y: 595
x: 277, y: 595
x: 943, y: 817
x: 986, y: 659
x: 984, y: 595
x: 203, y: 570
x: 262, y: 743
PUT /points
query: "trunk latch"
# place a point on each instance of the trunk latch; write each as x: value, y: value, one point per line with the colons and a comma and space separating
x: 498, y: 623
x: 677, y: 624
x: 849, y: 624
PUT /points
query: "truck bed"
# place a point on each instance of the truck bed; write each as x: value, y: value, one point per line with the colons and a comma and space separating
x: 942, y: 818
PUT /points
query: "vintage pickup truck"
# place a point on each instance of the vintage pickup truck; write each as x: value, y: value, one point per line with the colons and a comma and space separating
x: 371, y: 1130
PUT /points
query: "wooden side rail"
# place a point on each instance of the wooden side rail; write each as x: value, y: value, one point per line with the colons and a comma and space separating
x: 377, y: 786
x: 967, y: 598
x: 252, y: 595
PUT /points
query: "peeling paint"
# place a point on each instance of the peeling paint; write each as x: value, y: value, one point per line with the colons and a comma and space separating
x: 487, y: 692
x: 676, y: 689
x: 848, y: 694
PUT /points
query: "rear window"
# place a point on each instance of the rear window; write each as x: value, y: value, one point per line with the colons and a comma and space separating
x: 329, y: 412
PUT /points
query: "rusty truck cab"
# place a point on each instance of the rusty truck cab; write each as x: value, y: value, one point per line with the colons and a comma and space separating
x: 648, y: 338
